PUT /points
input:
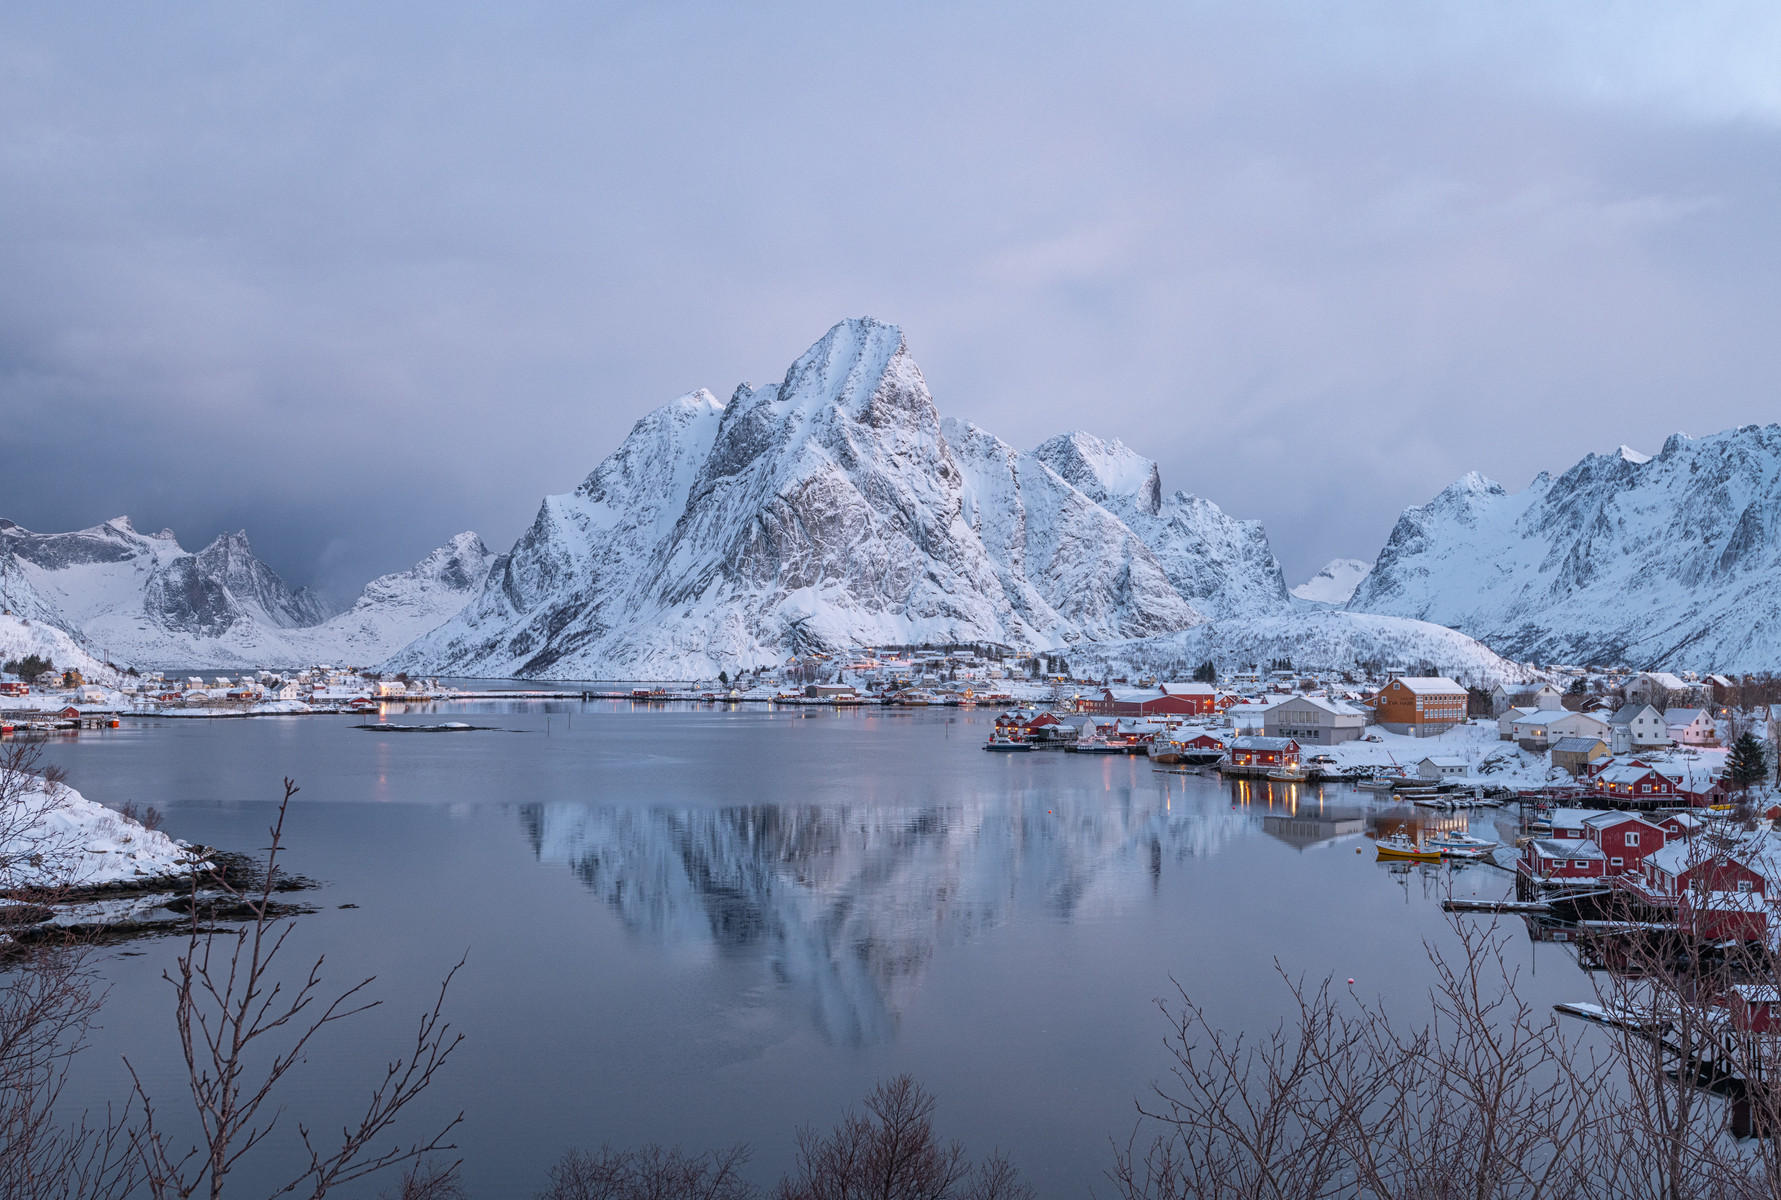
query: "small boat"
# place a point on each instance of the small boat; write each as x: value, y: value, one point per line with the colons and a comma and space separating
x: 1460, y: 845
x: 1002, y: 741
x: 1288, y: 774
x: 1399, y: 847
x: 1379, y: 783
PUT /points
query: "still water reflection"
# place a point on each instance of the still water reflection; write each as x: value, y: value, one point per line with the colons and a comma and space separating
x: 847, y: 905
x: 704, y: 926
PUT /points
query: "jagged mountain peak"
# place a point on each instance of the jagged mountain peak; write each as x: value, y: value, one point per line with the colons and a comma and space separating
x: 1105, y: 469
x: 836, y: 508
x: 1667, y: 562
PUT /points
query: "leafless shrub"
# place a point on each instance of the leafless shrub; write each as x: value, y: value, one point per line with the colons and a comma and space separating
x: 243, y: 1032
x: 891, y: 1152
x: 49, y: 997
x: 149, y: 818
x: 1342, y: 1099
x: 428, y: 1180
x: 650, y: 1173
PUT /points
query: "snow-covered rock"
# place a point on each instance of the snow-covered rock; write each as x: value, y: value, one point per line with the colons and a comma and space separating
x: 1318, y: 640
x: 1672, y: 561
x: 52, y: 837
x: 1221, y: 565
x: 835, y: 509
x: 1334, y: 583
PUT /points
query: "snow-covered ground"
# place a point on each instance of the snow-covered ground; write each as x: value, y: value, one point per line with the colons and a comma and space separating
x: 1321, y: 640
x: 1334, y: 583
x: 52, y: 837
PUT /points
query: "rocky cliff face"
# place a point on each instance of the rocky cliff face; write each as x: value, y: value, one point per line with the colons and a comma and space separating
x: 1667, y: 561
x: 833, y: 509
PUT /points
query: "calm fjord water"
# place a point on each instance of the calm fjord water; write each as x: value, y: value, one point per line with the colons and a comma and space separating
x: 708, y: 926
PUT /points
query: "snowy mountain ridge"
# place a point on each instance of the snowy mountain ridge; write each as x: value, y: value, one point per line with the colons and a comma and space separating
x: 143, y: 599
x: 1664, y: 561
x: 837, y: 508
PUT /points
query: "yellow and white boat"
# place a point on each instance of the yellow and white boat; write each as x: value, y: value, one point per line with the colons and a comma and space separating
x: 1399, y: 848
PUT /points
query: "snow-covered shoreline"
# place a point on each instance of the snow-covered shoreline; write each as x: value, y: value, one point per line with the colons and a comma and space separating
x: 52, y: 838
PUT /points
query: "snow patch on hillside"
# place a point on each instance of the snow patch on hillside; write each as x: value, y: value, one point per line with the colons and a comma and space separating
x: 1335, y: 582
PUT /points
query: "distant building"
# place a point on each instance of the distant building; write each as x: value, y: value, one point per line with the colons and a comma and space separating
x: 1575, y: 754
x: 1420, y: 706
x: 1636, y: 726
x: 1313, y: 720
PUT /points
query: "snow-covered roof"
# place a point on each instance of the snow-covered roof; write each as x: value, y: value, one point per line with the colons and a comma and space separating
x: 1567, y: 849
x: 1575, y: 745
x: 1431, y: 685
x: 1445, y: 760
x: 1337, y: 707
x: 1573, y: 818
x: 1187, y: 689
x: 1757, y: 993
x: 1677, y: 717
x: 1551, y: 716
x: 1606, y: 820
x: 1626, y: 773
x: 1665, y: 679
x: 1625, y: 714
x: 1261, y: 743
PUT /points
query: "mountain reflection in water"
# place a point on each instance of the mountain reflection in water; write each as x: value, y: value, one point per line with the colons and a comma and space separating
x: 846, y: 904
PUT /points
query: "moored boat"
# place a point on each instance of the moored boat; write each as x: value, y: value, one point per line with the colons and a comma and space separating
x: 1399, y: 847
x: 1003, y: 741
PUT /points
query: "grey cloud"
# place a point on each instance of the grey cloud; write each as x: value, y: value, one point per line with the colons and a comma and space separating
x: 358, y: 278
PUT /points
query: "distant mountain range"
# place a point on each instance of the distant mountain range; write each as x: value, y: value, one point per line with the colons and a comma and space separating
x: 837, y: 508
x: 1671, y: 561
x: 130, y: 597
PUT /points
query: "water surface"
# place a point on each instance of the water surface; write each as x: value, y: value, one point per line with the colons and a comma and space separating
x: 702, y: 926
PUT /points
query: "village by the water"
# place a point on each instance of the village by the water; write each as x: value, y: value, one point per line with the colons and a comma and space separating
x: 1626, y: 814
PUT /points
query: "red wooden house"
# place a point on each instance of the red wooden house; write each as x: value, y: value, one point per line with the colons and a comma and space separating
x: 1547, y: 860
x: 1264, y: 752
x: 1754, y: 1007
x: 1633, y: 782
x: 1694, y: 866
x: 1723, y: 916
x: 1149, y: 702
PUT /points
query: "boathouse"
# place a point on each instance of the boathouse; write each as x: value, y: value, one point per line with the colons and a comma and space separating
x: 1634, y: 782
x: 1151, y: 702
x: 1754, y: 1007
x: 1264, y: 752
x: 1723, y: 916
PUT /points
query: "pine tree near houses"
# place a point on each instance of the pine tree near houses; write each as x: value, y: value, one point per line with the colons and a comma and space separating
x: 1747, y: 764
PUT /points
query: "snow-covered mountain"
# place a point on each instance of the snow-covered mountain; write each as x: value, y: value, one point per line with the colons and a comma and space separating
x: 1320, y: 639
x: 832, y: 509
x: 1666, y: 561
x: 143, y: 599
x: 1334, y: 583
x: 395, y: 609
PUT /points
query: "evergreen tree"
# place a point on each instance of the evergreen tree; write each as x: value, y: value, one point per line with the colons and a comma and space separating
x: 1747, y: 764
x: 1206, y: 673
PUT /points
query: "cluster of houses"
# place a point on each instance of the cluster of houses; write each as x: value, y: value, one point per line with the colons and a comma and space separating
x: 1714, y: 884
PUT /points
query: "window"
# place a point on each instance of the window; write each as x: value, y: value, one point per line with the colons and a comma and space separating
x: 1616, y: 862
x: 1582, y: 863
x: 1743, y: 885
x: 1632, y: 838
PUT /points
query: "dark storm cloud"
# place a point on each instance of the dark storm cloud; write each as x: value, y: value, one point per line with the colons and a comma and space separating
x: 356, y: 279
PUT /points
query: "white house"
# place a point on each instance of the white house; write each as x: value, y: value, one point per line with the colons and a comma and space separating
x: 1690, y: 727
x: 1441, y: 767
x: 1506, y: 722
x: 1543, y: 695
x: 1540, y: 728
x: 1636, y: 727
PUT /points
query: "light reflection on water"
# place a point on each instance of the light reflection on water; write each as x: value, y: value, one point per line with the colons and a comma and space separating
x: 709, y: 925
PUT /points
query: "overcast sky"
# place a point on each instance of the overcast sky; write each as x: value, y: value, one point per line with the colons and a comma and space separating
x: 357, y: 277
